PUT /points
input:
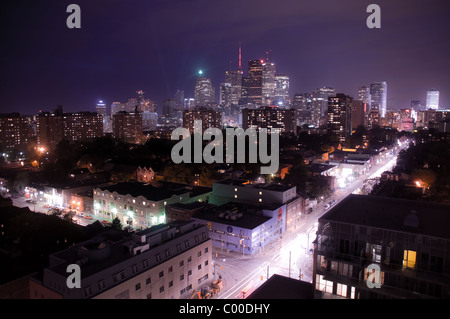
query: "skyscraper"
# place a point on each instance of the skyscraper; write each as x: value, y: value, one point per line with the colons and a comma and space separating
x: 204, y: 92
x: 101, y: 108
x: 319, y: 104
x: 378, y: 93
x: 281, y: 89
x: 433, y: 99
x: 234, y: 78
x: 255, y: 81
x: 364, y: 95
x: 268, y: 82
x: 340, y: 116
x: 128, y: 126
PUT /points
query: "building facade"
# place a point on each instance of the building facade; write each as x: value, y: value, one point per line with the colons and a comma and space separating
x: 14, y: 130
x: 378, y: 97
x: 402, y: 246
x: 128, y: 126
x: 340, y: 116
x: 272, y: 118
x: 165, y: 262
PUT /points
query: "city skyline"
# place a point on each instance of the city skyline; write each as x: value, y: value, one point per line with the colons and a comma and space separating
x: 123, y: 48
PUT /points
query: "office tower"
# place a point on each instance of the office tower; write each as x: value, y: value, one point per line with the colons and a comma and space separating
x: 364, y: 95
x: 132, y: 105
x: 204, y: 93
x: 268, y: 82
x: 102, y: 111
x: 383, y: 248
x: 116, y: 107
x: 82, y: 126
x: 209, y: 118
x: 245, y: 91
x: 168, y: 107
x: 433, y: 99
x: 127, y: 126
x: 234, y: 78
x: 275, y: 119
x: 416, y: 105
x: 281, y: 89
x: 168, y: 261
x: 225, y: 95
x: 101, y: 108
x: 359, y: 109
x: 302, y: 105
x: 339, y: 116
x: 179, y: 99
x: 14, y: 130
x: 255, y: 75
x: 189, y: 103
x: 319, y: 104
x: 378, y: 95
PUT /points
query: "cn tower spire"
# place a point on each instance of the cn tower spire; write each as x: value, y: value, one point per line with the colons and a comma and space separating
x: 240, y: 57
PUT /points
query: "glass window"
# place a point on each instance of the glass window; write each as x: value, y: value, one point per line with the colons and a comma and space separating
x: 409, y: 259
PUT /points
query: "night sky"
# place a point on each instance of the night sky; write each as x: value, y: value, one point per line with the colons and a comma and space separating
x: 159, y: 45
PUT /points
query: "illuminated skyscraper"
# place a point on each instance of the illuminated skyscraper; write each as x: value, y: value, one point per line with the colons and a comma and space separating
x: 340, y: 116
x: 281, y: 89
x: 378, y: 93
x: 204, y: 92
x: 268, y: 82
x: 255, y: 81
x: 433, y: 99
x: 101, y: 108
x: 364, y: 95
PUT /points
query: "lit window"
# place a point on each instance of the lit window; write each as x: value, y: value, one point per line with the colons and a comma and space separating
x: 409, y: 259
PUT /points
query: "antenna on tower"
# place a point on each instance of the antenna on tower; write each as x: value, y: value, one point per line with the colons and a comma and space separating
x: 240, y: 57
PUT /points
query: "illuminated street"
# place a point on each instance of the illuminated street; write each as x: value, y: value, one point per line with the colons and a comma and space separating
x: 291, y: 255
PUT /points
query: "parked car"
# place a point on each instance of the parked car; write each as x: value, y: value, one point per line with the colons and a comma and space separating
x: 88, y: 216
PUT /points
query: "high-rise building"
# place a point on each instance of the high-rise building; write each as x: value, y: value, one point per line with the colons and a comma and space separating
x: 416, y: 105
x: 52, y: 127
x: 268, y: 82
x: 302, y: 105
x: 116, y: 107
x: 100, y: 108
x: 255, y: 81
x: 234, y: 78
x: 319, y: 103
x: 82, y: 126
x: 189, y: 103
x: 340, y: 116
x: 433, y: 99
x: 281, y: 89
x: 359, y: 109
x: 209, y: 118
x: 168, y: 107
x: 378, y: 96
x: 225, y: 95
x: 168, y: 261
x: 204, y: 93
x: 179, y: 99
x: 383, y: 248
x: 364, y: 95
x: 274, y: 119
x: 14, y: 130
x: 127, y: 126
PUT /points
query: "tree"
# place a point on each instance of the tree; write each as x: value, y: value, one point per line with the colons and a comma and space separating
x: 116, y: 224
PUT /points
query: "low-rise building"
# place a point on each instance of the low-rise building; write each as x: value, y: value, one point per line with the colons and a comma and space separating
x: 379, y: 247
x: 163, y: 262
x: 143, y: 205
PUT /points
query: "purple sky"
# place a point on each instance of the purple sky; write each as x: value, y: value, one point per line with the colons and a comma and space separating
x: 159, y: 45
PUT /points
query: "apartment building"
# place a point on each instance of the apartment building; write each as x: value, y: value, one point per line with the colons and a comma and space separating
x: 167, y: 261
x: 376, y: 247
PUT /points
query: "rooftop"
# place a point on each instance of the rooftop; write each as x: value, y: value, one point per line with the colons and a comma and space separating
x: 246, y: 216
x: 281, y: 287
x: 156, y: 191
x: 244, y: 182
x: 426, y: 218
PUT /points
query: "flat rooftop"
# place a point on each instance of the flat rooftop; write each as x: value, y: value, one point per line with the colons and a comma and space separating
x: 431, y: 219
x: 252, y: 216
x: 281, y: 287
x: 244, y: 182
x: 156, y: 191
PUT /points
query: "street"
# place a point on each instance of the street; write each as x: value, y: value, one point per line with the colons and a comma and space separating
x: 289, y: 255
